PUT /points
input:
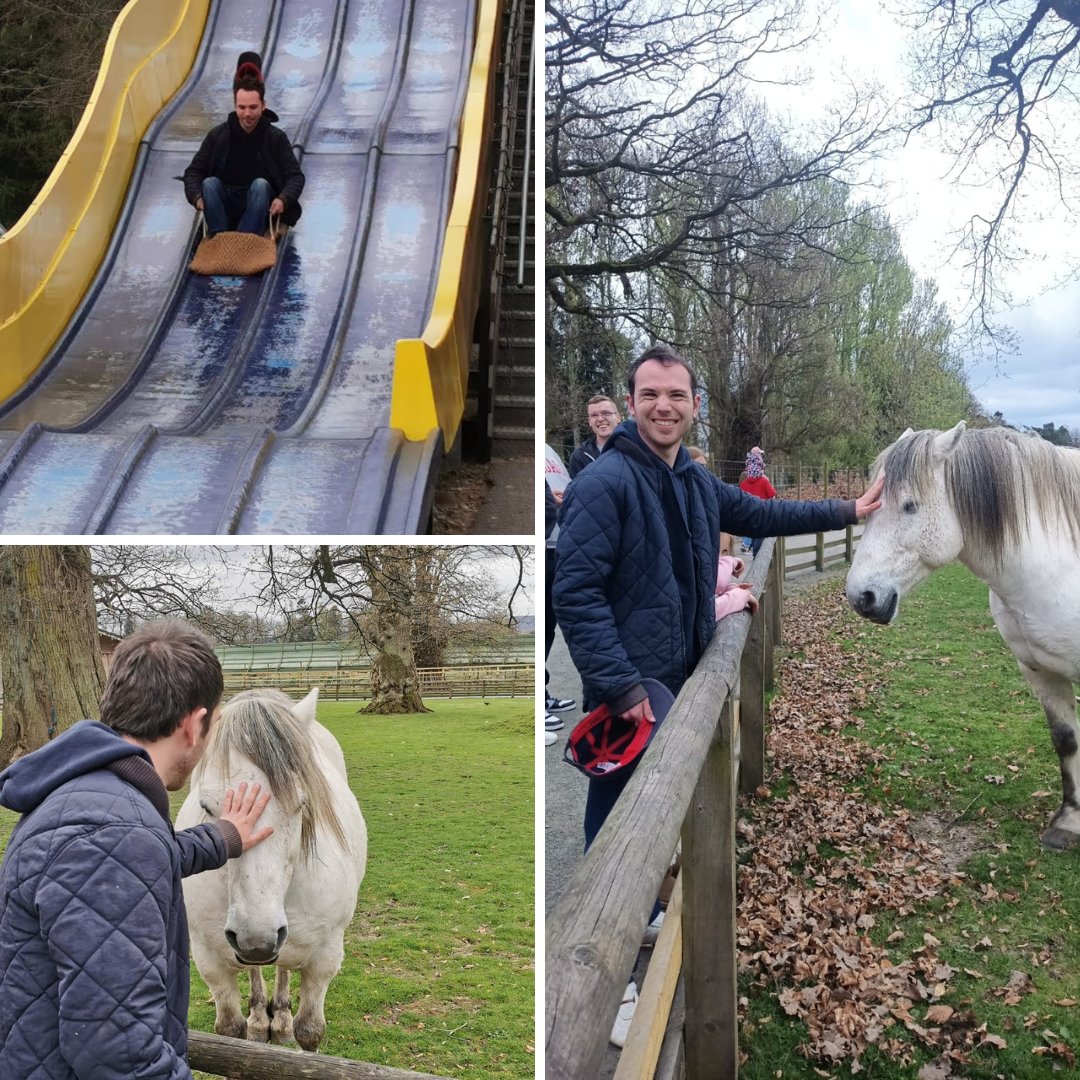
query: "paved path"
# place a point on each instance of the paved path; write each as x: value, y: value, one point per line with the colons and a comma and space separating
x: 564, y: 787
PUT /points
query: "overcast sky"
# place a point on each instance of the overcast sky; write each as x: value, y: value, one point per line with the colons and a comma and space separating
x: 1041, y: 381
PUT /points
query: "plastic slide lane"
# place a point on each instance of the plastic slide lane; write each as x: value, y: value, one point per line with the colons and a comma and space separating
x: 174, y: 403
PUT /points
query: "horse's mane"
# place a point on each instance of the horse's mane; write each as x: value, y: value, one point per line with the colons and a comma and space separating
x: 260, y: 725
x: 996, y: 479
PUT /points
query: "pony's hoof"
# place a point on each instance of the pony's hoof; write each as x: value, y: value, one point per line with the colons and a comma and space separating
x: 258, y: 1034
x: 1059, y: 840
x: 281, y: 1030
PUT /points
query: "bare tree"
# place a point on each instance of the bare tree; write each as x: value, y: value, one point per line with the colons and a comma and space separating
x: 657, y: 154
x: 134, y: 583
x: 401, y: 603
x: 986, y: 78
x: 53, y: 675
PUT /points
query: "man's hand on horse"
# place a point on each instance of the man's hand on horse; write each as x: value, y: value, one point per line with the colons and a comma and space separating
x: 870, y: 500
x: 243, y: 807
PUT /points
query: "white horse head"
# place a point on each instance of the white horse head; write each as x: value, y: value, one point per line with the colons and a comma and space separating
x: 288, y: 899
x: 915, y: 531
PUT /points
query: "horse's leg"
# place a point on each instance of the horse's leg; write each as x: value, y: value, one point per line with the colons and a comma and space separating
x: 314, y: 979
x: 221, y: 979
x: 281, y: 1027
x: 1056, y: 695
x: 258, y: 1021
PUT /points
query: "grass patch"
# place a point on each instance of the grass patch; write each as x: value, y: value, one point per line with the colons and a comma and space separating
x: 439, y: 959
x: 968, y: 753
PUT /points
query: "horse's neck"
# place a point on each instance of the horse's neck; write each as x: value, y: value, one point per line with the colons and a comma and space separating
x: 1039, y: 559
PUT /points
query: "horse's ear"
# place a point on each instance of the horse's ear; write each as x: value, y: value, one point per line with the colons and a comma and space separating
x: 945, y: 443
x: 906, y: 433
x: 305, y: 710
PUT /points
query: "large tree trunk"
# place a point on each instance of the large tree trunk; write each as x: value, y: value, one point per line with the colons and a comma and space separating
x: 53, y: 674
x: 395, y: 687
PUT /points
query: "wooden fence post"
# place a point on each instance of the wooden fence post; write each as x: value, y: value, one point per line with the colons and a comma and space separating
x: 819, y: 553
x: 849, y: 543
x: 709, y: 946
x: 752, y: 700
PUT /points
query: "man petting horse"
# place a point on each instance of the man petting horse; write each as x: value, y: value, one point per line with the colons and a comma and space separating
x: 94, y: 972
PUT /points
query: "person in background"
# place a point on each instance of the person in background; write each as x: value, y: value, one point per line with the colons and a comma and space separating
x: 731, y: 595
x: 756, y: 483
x: 603, y: 416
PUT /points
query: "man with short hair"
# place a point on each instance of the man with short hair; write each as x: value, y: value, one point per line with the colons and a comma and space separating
x: 245, y: 169
x: 94, y: 969
x: 636, y: 560
x: 603, y: 414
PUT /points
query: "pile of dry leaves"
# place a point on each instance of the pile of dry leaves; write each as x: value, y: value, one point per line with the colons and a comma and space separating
x: 823, y: 864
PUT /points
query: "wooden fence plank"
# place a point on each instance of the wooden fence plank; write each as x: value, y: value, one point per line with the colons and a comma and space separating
x: 752, y: 699
x: 709, y: 963
x: 243, y: 1060
x: 642, y: 1051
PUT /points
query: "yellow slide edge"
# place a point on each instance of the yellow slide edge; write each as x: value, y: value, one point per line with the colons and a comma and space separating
x: 49, y: 257
x: 431, y: 372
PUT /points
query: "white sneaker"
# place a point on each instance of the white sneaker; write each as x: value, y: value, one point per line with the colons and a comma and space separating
x: 552, y: 722
x: 621, y: 1028
x: 652, y: 931
x: 550, y: 737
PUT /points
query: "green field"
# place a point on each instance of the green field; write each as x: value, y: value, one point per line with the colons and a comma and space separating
x: 950, y: 739
x: 439, y: 960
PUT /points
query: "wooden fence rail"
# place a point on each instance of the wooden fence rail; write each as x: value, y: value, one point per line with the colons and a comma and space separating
x: 242, y: 1060
x: 499, y: 680
x: 686, y: 782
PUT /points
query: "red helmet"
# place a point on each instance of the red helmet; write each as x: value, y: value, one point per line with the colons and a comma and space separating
x: 602, y: 745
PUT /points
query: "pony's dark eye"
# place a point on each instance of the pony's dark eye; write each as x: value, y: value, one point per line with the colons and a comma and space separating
x: 910, y: 506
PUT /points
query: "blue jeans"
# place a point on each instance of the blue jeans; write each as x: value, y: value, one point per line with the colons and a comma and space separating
x: 243, y: 209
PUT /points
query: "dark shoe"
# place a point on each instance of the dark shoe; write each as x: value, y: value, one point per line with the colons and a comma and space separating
x: 555, y: 704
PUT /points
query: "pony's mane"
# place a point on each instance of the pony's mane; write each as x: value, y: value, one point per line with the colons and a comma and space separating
x: 260, y: 725
x: 996, y: 479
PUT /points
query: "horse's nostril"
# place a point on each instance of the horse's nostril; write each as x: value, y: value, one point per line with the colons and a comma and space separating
x: 867, y: 601
x: 230, y: 937
x: 282, y: 934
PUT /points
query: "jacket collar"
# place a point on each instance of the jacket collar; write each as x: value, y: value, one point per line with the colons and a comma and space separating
x: 627, y: 440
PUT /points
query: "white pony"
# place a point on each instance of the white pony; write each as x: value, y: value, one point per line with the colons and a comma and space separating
x: 1007, y: 506
x: 287, y: 900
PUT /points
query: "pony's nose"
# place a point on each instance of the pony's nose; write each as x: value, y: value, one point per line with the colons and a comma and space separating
x: 877, y: 606
x: 255, y: 948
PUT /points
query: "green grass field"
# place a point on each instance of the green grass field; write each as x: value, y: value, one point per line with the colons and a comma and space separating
x: 439, y: 966
x: 967, y: 751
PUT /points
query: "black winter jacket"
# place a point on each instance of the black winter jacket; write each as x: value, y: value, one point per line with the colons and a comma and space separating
x: 94, y: 969
x: 275, y: 153
x: 616, y: 591
x: 583, y: 455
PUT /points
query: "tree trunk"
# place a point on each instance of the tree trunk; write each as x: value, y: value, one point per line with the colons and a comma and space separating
x: 395, y: 687
x: 53, y: 674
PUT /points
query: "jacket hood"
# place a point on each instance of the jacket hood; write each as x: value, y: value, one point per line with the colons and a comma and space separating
x: 627, y: 439
x: 87, y: 746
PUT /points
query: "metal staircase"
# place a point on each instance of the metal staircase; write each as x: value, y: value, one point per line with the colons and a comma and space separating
x: 500, y: 414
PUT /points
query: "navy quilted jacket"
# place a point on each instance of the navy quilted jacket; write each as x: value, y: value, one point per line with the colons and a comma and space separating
x: 616, y: 592
x: 94, y: 973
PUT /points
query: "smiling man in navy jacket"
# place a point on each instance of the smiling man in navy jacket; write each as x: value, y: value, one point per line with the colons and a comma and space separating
x: 636, y: 560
